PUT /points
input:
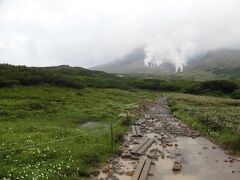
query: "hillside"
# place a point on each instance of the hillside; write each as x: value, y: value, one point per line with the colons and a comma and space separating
x: 219, y: 64
x: 63, y: 75
x: 133, y: 63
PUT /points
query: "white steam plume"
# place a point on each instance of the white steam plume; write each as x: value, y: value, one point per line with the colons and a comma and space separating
x: 161, y: 51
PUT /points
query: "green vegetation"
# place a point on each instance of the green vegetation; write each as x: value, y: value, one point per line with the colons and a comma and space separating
x: 76, y: 77
x: 217, y: 118
x: 69, y: 104
x: 33, y: 115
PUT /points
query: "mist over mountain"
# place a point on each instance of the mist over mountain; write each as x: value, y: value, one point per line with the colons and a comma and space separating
x: 134, y: 63
x: 218, y: 62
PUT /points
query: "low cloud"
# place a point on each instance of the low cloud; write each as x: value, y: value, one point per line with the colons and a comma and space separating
x: 87, y: 33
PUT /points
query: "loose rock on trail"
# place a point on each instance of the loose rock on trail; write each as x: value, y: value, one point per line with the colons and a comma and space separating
x: 176, y: 152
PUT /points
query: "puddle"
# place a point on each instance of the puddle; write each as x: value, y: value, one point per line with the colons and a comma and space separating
x: 200, y: 159
x: 90, y: 125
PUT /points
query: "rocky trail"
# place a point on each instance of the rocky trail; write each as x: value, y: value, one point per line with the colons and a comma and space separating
x: 176, y: 152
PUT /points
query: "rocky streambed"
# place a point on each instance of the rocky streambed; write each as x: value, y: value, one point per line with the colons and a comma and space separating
x: 177, y: 152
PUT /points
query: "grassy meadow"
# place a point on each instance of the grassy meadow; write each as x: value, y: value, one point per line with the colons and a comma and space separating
x: 39, y: 114
x: 217, y: 118
x: 31, y: 115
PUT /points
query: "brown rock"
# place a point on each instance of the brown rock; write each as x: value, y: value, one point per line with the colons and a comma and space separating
x: 177, y: 166
x: 129, y: 173
x: 226, y: 152
x: 105, y: 170
x: 153, y: 156
x: 110, y: 166
x: 150, y: 174
x: 125, y: 155
x: 121, y: 172
x: 134, y: 157
x: 95, y: 173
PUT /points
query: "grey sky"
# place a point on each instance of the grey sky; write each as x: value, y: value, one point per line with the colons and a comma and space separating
x: 90, y: 32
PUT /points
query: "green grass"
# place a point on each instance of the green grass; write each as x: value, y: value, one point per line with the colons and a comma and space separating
x: 217, y: 118
x: 31, y: 115
x: 38, y: 114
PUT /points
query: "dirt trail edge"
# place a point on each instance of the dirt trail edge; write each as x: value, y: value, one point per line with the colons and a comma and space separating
x: 177, y: 151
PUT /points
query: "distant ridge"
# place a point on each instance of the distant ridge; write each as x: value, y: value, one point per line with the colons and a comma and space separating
x: 222, y: 63
x: 134, y: 63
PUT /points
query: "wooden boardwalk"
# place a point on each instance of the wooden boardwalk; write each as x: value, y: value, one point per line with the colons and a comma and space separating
x: 142, y: 169
x: 143, y: 146
x: 136, y: 131
x: 139, y: 122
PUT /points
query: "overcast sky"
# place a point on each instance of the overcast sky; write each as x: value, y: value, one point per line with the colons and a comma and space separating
x: 90, y: 32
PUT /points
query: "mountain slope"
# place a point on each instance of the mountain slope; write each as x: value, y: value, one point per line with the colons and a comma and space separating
x: 134, y: 63
x: 219, y: 64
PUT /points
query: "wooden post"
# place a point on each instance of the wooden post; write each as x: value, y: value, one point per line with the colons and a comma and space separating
x: 207, y: 126
x: 111, y: 128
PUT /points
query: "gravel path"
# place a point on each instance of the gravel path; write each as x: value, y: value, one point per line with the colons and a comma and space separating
x: 194, y: 157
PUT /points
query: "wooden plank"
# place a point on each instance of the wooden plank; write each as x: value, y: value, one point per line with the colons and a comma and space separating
x: 139, y: 169
x: 138, y: 131
x: 136, y: 149
x: 134, y: 133
x: 145, y: 147
x: 140, y: 121
x: 147, y: 116
x: 145, y: 169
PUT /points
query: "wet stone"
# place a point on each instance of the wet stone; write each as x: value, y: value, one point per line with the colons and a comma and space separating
x: 105, y: 170
x: 95, y: 173
x: 129, y: 173
x: 126, y: 155
x: 177, y: 166
x: 134, y: 157
x: 150, y: 174
x: 114, y: 162
x: 153, y: 156
x: 121, y: 172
